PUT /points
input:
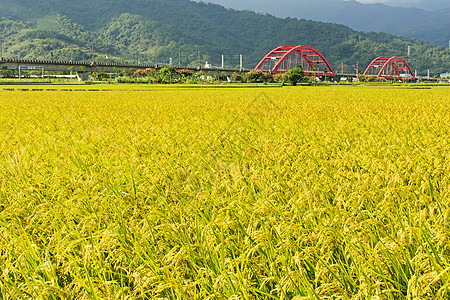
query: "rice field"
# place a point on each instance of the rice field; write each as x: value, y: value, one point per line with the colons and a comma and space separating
x: 225, y: 193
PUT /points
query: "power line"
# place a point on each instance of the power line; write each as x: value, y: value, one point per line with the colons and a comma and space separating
x: 234, y: 57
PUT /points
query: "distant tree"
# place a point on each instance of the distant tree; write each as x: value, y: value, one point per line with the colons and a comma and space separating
x: 294, y: 76
x: 168, y: 75
x: 149, y: 72
x: 138, y: 73
x: 185, y: 73
x: 237, y: 77
x: 259, y: 76
x: 278, y: 78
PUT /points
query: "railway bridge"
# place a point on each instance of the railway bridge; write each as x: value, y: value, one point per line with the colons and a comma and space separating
x: 283, y: 58
x: 84, y: 68
x: 313, y: 63
x: 394, y: 67
x: 277, y: 61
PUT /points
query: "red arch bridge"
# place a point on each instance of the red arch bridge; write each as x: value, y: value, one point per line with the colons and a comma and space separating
x: 282, y: 59
x: 393, y: 67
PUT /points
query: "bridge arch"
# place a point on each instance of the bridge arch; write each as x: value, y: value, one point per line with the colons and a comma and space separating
x: 394, y: 67
x: 283, y: 58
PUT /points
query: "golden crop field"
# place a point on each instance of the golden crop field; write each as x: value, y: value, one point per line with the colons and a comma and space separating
x: 225, y: 193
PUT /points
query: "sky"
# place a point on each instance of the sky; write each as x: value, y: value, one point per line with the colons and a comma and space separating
x: 391, y: 2
x: 424, y: 4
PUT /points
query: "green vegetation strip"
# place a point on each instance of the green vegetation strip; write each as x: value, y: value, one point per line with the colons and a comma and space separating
x: 131, y: 87
x: 180, y: 87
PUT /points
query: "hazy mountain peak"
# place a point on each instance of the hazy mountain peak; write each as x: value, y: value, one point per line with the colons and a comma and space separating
x: 372, y: 15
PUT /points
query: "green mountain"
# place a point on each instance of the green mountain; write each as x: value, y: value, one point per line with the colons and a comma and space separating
x: 164, y: 30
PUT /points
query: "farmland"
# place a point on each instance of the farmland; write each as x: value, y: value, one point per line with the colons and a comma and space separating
x: 225, y: 193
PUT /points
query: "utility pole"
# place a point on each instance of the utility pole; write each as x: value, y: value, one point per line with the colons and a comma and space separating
x: 179, y: 59
x: 1, y: 45
x: 223, y: 61
x: 71, y: 53
x: 409, y: 51
x: 199, y: 60
x: 241, y: 62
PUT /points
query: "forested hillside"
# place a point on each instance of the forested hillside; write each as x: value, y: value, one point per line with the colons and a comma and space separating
x: 158, y: 30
